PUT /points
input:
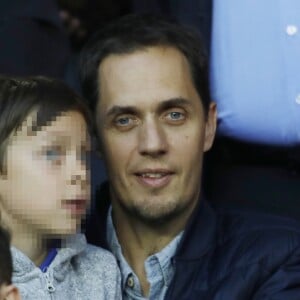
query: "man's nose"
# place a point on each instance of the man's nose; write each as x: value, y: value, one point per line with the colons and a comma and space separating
x: 152, y: 139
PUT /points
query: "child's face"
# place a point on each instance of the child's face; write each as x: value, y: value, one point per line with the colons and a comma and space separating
x: 46, y: 183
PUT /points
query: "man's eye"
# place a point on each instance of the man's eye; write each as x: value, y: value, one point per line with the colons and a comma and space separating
x: 175, y: 116
x: 123, y: 121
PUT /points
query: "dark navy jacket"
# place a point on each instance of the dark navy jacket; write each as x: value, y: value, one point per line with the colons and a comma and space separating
x: 230, y: 255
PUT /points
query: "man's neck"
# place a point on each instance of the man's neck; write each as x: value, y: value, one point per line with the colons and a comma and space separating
x: 139, y: 240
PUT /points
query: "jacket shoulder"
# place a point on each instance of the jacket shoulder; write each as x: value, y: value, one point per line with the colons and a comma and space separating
x: 250, y: 238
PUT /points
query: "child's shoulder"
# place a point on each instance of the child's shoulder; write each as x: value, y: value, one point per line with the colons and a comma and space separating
x: 99, y: 269
x: 97, y: 257
x: 96, y: 251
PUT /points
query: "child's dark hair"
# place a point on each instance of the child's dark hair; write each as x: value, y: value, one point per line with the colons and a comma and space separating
x: 5, y: 258
x: 47, y: 97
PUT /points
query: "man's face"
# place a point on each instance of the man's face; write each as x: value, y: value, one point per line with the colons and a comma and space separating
x: 153, y: 133
x: 45, y: 186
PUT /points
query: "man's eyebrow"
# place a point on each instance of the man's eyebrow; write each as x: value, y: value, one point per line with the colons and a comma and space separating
x: 174, y: 102
x: 118, y: 110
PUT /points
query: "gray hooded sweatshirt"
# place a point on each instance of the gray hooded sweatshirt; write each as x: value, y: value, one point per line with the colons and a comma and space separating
x: 78, y: 272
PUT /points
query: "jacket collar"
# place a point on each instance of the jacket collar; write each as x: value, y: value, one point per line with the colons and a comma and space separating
x: 200, y: 232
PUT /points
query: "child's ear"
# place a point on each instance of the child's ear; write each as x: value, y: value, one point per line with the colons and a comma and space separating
x: 3, y: 162
x: 3, y: 176
x: 10, y: 292
x: 3, y: 173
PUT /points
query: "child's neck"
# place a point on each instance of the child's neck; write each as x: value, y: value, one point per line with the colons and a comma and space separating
x: 31, y: 245
x: 27, y: 240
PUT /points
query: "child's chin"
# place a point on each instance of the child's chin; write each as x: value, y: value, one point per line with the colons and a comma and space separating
x: 62, y: 231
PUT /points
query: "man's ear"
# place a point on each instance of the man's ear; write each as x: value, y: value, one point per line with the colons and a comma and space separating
x: 10, y: 292
x: 210, y: 126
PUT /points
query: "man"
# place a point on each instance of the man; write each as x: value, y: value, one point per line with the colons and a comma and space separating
x: 7, y: 290
x: 148, y: 86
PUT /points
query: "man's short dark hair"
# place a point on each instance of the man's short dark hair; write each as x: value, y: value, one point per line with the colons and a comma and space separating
x: 5, y: 258
x: 21, y: 96
x: 135, y: 32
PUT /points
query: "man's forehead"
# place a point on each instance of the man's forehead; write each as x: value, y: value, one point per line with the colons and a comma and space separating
x: 122, y: 60
x: 155, y: 73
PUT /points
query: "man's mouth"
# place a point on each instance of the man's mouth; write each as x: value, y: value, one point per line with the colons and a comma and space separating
x: 153, y: 175
x: 154, y: 178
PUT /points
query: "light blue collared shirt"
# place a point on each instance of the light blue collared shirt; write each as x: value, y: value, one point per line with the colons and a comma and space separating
x: 255, y: 69
x: 159, y: 267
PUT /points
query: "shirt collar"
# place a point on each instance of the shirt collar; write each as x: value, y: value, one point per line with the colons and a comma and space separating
x: 116, y: 249
x: 164, y: 259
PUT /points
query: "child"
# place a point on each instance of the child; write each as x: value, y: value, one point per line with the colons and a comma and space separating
x: 7, y: 290
x: 44, y: 193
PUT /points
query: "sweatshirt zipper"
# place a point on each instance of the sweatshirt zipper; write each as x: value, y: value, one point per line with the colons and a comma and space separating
x: 49, y: 282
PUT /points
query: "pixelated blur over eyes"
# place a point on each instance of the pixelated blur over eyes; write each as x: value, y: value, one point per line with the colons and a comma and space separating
x: 53, y: 154
x: 57, y: 154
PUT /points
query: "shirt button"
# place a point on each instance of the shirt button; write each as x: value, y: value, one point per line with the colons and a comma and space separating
x: 298, y: 99
x: 291, y: 29
x: 130, y: 281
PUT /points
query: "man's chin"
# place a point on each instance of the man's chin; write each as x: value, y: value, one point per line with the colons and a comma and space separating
x: 156, y: 216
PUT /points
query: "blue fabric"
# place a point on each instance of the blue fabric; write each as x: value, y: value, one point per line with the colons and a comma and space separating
x: 228, y: 255
x: 255, y: 63
x: 48, y: 260
x: 159, y: 267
